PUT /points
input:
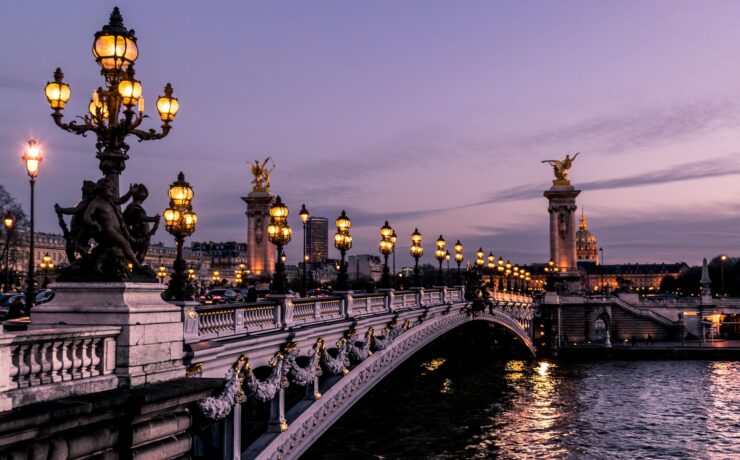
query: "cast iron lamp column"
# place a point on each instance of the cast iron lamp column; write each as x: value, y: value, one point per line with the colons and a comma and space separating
x: 459, y: 257
x: 32, y: 158
x: 116, y: 111
x: 500, y: 271
x: 9, y: 223
x: 722, y: 260
x: 394, y: 238
x: 279, y: 233
x: 180, y: 222
x: 507, y: 274
x: 440, y: 255
x: 343, y: 242
x: 386, y: 248
x: 416, y: 251
x: 447, y: 258
x: 303, y: 214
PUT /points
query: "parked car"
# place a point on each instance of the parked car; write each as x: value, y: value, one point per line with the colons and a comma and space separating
x: 7, y: 301
x: 44, y: 296
x: 318, y: 293
x: 221, y: 296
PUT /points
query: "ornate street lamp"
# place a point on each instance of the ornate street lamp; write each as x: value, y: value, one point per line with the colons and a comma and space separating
x: 416, y: 251
x: 32, y: 158
x: 722, y: 261
x: 216, y: 277
x: 180, y: 221
x: 9, y: 224
x: 459, y: 257
x: 479, y: 254
x: 115, y: 112
x: 343, y: 242
x: 280, y: 234
x: 394, y: 238
x: 440, y: 255
x: 500, y: 269
x: 491, y: 267
x: 447, y: 258
x: 161, y: 274
x: 304, y: 215
x: 46, y: 265
x: 386, y: 248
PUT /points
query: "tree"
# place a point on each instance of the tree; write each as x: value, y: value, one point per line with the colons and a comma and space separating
x: 8, y: 204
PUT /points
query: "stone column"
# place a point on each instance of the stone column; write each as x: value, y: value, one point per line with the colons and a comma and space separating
x: 562, y: 208
x: 260, y: 252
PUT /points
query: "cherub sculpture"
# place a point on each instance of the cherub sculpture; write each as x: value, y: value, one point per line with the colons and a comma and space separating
x: 261, y: 174
x: 560, y: 168
x: 137, y: 222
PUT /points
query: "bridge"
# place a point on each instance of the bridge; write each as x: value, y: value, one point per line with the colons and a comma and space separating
x: 338, y: 348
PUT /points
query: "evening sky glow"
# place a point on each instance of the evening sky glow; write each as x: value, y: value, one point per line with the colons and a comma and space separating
x: 433, y: 115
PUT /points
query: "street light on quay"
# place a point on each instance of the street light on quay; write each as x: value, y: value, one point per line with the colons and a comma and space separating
x: 279, y: 233
x: 9, y: 224
x: 416, y: 251
x: 32, y: 158
x: 180, y: 221
x: 500, y: 269
x: 46, y: 266
x: 304, y: 215
x: 386, y: 248
x: 447, y: 258
x: 161, y: 274
x: 459, y: 257
x: 440, y: 255
x: 394, y: 238
x: 722, y: 261
x: 343, y: 242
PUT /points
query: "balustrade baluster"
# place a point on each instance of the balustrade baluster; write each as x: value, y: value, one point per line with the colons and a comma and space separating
x: 56, y: 361
x: 96, y: 349
x: 76, y: 349
x: 67, y: 352
x: 86, y: 350
x: 45, y: 354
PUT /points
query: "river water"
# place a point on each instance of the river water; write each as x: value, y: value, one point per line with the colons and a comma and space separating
x: 451, y: 402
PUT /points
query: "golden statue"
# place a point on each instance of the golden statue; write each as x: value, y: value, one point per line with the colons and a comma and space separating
x: 561, y: 169
x: 261, y: 173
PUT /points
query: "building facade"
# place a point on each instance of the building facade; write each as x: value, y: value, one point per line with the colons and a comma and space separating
x: 364, y: 266
x: 317, y: 240
x: 224, y: 257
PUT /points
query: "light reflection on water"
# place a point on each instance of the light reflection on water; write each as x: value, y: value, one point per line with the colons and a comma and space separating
x: 544, y: 410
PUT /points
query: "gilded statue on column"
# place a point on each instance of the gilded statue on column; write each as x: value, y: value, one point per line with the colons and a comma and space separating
x: 261, y: 174
x: 560, y: 168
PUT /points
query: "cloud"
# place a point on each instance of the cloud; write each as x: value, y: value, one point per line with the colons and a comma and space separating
x: 15, y: 83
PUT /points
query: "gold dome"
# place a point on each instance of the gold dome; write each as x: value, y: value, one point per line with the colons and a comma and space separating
x: 586, y: 247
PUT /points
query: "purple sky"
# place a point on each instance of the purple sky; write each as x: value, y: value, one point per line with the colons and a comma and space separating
x: 429, y: 114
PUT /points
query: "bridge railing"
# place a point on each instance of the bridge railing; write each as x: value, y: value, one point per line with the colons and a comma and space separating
x: 205, y: 322
x: 43, y: 364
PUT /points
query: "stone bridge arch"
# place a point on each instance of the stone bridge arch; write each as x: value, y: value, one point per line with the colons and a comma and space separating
x: 323, y: 413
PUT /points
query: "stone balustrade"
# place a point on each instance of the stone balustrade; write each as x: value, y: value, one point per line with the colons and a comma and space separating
x: 204, y: 322
x: 44, y: 364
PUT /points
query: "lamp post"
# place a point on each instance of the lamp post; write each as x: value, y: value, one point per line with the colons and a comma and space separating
x: 722, y: 260
x: 9, y: 223
x: 459, y: 257
x: 303, y: 214
x: 394, y: 238
x: 603, y: 288
x: 479, y: 254
x: 500, y: 270
x: 440, y: 255
x: 416, y: 251
x: 550, y: 270
x: 180, y: 222
x: 507, y: 274
x: 447, y: 258
x: 343, y: 242
x: 215, y: 277
x: 491, y: 267
x: 32, y: 158
x: 46, y: 265
x: 116, y: 110
x: 386, y: 247
x: 162, y: 274
x: 279, y: 233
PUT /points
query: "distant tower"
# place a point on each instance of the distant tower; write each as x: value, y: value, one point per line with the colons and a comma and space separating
x: 260, y: 252
x: 317, y: 239
x: 586, y: 247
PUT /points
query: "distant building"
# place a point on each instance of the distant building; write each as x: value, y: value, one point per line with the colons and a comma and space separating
x: 224, y: 256
x: 586, y: 247
x: 317, y: 240
x: 364, y: 266
x: 632, y: 277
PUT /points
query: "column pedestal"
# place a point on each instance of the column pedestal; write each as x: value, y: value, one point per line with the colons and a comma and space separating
x: 260, y: 252
x: 150, y: 346
x: 563, y: 250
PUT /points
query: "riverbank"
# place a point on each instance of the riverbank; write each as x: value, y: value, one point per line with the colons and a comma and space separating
x: 717, y: 350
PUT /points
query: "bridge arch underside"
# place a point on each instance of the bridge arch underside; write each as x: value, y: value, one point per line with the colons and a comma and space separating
x: 305, y: 428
